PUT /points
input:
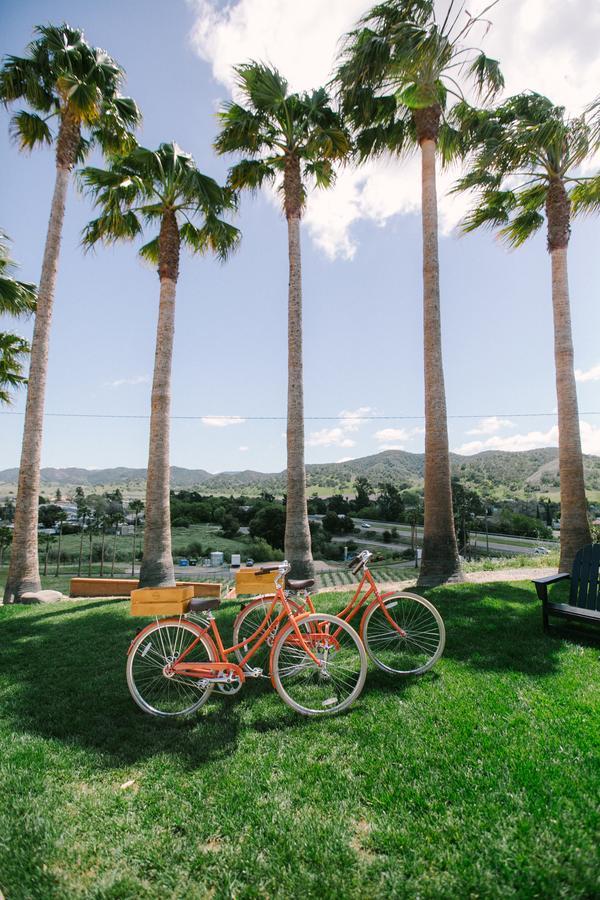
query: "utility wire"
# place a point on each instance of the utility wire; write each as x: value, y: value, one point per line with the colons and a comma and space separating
x: 356, y: 419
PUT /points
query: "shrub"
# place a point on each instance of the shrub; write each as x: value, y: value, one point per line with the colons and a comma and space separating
x: 269, y: 525
x: 261, y: 551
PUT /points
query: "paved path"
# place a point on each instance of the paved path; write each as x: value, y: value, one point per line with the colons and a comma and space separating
x: 518, y: 574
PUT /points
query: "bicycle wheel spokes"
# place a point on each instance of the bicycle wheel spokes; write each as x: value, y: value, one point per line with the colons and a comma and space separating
x: 329, y: 685
x: 412, y: 642
x: 246, y: 624
x: 153, y: 687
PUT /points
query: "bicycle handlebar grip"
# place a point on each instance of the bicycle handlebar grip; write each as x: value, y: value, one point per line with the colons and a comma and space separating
x: 266, y: 569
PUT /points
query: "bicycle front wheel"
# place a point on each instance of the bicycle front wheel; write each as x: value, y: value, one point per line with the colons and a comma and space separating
x: 152, y: 687
x: 407, y: 638
x: 329, y: 685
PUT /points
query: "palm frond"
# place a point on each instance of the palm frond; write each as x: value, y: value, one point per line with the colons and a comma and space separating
x: 521, y: 227
x: 150, y: 251
x: 487, y: 75
x: 493, y: 211
x: 585, y: 197
x: 29, y: 129
x: 112, y: 226
x: 322, y: 171
x: 250, y: 174
x: 13, y: 349
x: 17, y: 298
x: 263, y: 85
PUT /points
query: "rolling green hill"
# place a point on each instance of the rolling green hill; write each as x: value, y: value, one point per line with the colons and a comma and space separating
x: 497, y: 473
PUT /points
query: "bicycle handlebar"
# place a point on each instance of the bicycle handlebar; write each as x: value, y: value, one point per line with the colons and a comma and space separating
x: 359, y: 561
x: 283, y: 568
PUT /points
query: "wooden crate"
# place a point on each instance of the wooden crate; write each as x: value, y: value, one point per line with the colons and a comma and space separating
x: 170, y: 601
x: 246, y: 582
x: 122, y: 587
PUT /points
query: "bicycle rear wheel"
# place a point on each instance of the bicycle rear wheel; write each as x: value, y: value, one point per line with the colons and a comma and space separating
x: 312, y: 689
x: 413, y: 652
x: 153, y: 689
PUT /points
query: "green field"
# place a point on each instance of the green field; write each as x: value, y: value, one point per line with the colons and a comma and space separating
x: 477, y: 780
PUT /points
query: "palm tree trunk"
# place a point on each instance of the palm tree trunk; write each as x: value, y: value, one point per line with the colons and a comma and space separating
x: 297, y: 533
x: 157, y: 561
x: 80, y: 547
x: 133, y: 548
x: 46, y: 556
x: 60, y: 528
x: 574, y: 523
x: 23, y: 572
x: 439, y: 561
x: 114, y: 553
x: 102, y: 553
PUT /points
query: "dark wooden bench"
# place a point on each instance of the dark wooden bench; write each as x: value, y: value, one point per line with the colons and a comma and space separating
x: 584, y: 596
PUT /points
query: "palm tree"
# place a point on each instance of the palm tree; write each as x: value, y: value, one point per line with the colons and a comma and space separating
x: 397, y: 75
x: 136, y: 507
x: 294, y: 138
x: 64, y: 80
x: 527, y: 168
x: 17, y: 298
x: 160, y: 187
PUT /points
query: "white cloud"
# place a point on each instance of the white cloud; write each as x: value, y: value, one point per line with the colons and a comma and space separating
x: 592, y: 374
x: 391, y: 447
x: 545, y: 45
x: 327, y: 436
x: 491, y: 425
x: 222, y: 421
x: 353, y: 419
x: 121, y: 382
x: 590, y: 441
x: 243, y: 449
x: 301, y: 39
x: 590, y: 438
x: 350, y: 422
x: 345, y: 459
x: 396, y: 434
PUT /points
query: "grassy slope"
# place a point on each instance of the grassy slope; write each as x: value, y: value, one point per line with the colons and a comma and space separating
x: 480, y: 779
x: 208, y: 535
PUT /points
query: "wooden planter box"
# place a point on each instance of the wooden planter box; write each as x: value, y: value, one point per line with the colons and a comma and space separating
x: 170, y: 601
x: 122, y: 587
x: 246, y: 582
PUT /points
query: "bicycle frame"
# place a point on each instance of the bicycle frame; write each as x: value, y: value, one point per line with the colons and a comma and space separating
x: 222, y: 666
x: 357, y: 603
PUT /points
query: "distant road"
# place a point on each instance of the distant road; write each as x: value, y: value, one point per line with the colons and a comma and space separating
x: 506, y: 543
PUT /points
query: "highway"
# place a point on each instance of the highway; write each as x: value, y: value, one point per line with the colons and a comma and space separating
x: 504, y: 543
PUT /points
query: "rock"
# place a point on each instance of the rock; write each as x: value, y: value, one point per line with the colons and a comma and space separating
x: 42, y: 597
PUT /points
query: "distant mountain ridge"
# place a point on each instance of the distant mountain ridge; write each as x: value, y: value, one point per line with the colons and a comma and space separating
x: 511, y: 471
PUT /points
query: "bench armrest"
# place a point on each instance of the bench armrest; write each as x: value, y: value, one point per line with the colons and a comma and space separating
x: 541, y: 584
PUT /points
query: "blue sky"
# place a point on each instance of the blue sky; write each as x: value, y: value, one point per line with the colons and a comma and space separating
x: 361, y: 266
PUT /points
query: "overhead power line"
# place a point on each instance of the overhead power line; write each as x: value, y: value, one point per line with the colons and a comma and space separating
x: 337, y: 418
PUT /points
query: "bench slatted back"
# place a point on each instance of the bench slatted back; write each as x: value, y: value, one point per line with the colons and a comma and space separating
x: 585, y: 585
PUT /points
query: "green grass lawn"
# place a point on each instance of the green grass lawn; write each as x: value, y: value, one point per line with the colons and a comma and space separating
x: 208, y: 535
x: 480, y: 779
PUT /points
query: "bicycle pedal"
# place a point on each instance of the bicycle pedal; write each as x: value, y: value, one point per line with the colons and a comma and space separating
x: 253, y: 672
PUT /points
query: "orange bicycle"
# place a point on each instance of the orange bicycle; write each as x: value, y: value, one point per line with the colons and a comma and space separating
x: 316, y: 661
x: 402, y: 632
